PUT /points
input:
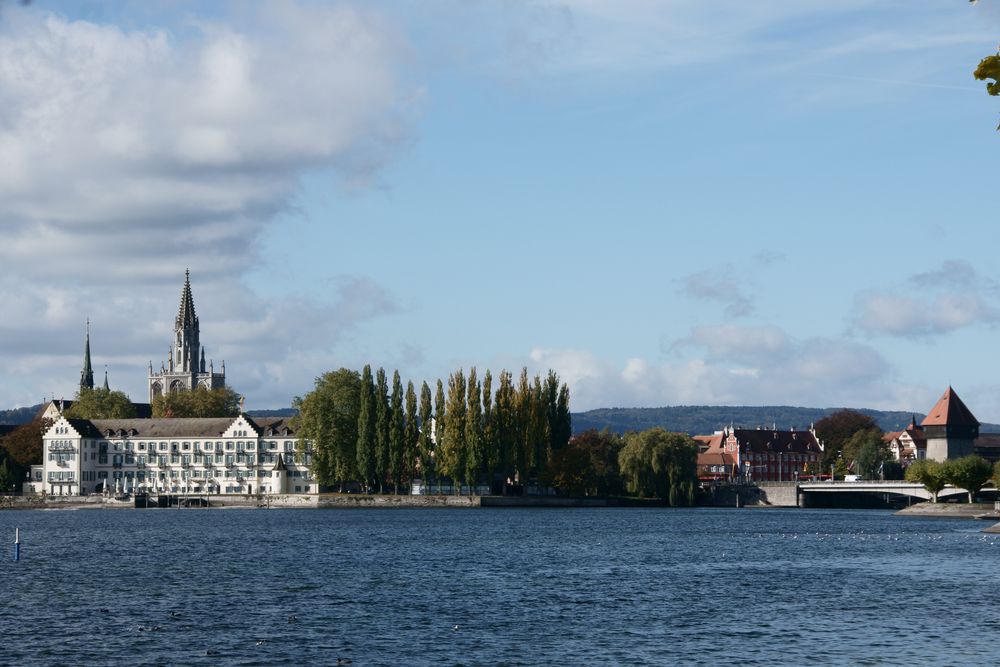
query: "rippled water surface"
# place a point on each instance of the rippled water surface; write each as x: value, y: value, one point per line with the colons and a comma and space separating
x: 491, y: 587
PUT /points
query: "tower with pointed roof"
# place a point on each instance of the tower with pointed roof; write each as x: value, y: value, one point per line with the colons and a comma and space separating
x: 87, y: 372
x: 950, y: 428
x: 185, y: 368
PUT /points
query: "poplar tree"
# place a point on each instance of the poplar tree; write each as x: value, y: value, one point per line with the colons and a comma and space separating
x: 522, y: 426
x: 397, y: 425
x: 411, y: 434
x: 426, y: 450
x: 504, y: 427
x: 550, y: 392
x: 452, y: 448
x: 538, y: 427
x: 440, y: 412
x: 381, y: 429
x: 563, y: 426
x: 366, y: 430
x: 473, y: 431
x: 491, y: 455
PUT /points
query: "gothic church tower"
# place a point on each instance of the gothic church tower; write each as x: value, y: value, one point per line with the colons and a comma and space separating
x: 185, y: 368
x: 87, y: 372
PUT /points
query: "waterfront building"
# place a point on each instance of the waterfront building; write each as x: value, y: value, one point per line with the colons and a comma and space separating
x: 185, y: 368
x: 907, y: 445
x: 759, y: 455
x: 227, y: 455
x: 950, y: 428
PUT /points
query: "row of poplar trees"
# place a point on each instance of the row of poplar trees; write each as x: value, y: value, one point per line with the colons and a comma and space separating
x: 469, y: 433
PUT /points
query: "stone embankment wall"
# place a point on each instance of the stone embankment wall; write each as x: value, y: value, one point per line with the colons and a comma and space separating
x: 764, y: 494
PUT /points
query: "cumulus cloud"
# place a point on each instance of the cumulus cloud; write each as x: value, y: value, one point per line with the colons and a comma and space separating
x: 731, y: 365
x: 128, y: 154
x: 716, y: 285
x: 930, y: 303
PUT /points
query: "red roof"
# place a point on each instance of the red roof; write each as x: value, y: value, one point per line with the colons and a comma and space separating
x: 950, y: 411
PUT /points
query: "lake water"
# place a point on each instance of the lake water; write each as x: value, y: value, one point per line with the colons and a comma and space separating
x: 497, y: 587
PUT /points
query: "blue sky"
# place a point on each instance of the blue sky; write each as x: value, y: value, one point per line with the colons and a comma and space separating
x: 666, y: 202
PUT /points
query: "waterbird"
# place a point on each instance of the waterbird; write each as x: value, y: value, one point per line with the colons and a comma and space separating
x: 292, y: 618
x: 261, y: 642
x: 104, y: 610
x: 455, y: 629
x: 344, y: 661
x: 211, y: 652
x: 174, y: 614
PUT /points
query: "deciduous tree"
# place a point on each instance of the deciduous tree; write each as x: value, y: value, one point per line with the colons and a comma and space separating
x: 366, y: 430
x: 970, y: 473
x: 382, y: 420
x: 411, y: 434
x: 426, y: 435
x: 103, y: 403
x: 397, y: 426
x: 201, y: 402
x: 451, y: 451
x: 328, y: 418
x: 928, y: 473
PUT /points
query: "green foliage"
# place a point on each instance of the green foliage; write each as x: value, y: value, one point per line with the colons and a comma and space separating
x: 928, y: 473
x: 656, y: 463
x: 489, y: 451
x: 426, y: 449
x: 868, y: 452
x: 328, y: 418
x: 397, y: 426
x: 440, y: 415
x: 8, y: 480
x: 100, y: 404
x: 603, y: 447
x: 571, y: 471
x: 892, y: 470
x: 381, y: 429
x: 473, y: 430
x: 451, y: 450
x: 989, y: 68
x: 837, y: 429
x: 220, y: 402
x: 504, y: 427
x: 365, y: 448
x: 970, y: 473
x: 411, y: 434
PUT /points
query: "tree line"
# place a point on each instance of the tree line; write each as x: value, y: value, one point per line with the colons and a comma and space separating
x: 468, y: 432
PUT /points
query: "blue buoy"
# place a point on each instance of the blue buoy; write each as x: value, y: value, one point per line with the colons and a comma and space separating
x: 17, y: 544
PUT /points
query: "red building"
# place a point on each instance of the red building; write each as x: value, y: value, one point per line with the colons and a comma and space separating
x: 758, y: 455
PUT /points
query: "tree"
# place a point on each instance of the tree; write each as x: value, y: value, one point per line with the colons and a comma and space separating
x: 397, y: 425
x: 836, y: 429
x: 411, y: 433
x: 571, y: 471
x: 868, y: 452
x: 603, y: 448
x: 538, y: 436
x: 100, y: 404
x: 490, y: 448
x: 473, y: 431
x: 989, y: 68
x: 24, y: 444
x: 381, y: 429
x: 970, y: 473
x: 200, y: 402
x: 7, y: 476
x: 426, y: 450
x: 440, y: 413
x: 504, y: 427
x: 656, y: 463
x: 451, y: 450
x: 328, y: 418
x: 365, y: 450
x: 929, y: 473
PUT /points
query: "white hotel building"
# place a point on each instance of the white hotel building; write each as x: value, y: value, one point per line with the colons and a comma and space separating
x: 228, y: 455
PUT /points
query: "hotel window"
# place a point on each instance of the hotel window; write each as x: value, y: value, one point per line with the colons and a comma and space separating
x: 229, y: 446
x: 289, y: 446
x: 142, y: 446
x: 175, y: 458
x: 186, y: 446
x: 163, y: 446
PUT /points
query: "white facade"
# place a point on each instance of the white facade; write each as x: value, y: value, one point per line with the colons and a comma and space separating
x: 232, y: 455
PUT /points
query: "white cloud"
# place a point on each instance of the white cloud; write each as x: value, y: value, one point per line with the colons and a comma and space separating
x: 930, y: 303
x: 129, y: 154
x: 715, y: 285
x: 731, y: 365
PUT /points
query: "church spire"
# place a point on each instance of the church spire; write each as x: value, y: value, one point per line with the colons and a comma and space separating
x: 106, y: 387
x: 87, y: 373
x: 185, y: 315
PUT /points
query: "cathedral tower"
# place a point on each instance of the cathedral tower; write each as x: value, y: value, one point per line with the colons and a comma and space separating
x: 185, y: 367
x: 87, y: 373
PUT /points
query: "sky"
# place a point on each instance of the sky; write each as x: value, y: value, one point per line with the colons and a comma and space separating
x: 667, y: 202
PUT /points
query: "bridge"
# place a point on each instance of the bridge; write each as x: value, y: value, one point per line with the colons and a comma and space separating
x: 904, y: 489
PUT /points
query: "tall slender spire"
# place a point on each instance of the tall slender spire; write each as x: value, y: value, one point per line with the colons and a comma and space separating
x: 87, y: 373
x: 106, y: 387
x: 185, y: 315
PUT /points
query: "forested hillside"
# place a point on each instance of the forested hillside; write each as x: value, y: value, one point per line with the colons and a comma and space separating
x: 706, y: 419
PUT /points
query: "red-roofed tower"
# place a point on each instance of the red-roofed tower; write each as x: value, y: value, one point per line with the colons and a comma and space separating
x: 950, y: 428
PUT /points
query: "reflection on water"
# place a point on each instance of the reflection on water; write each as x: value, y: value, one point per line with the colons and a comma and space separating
x: 514, y: 587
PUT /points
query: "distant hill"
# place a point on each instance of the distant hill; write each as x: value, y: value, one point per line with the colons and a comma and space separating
x: 25, y: 415
x: 706, y: 419
x: 19, y: 415
x: 280, y: 412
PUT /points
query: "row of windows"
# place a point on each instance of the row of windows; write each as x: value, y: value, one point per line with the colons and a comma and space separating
x: 216, y: 446
x: 61, y: 476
